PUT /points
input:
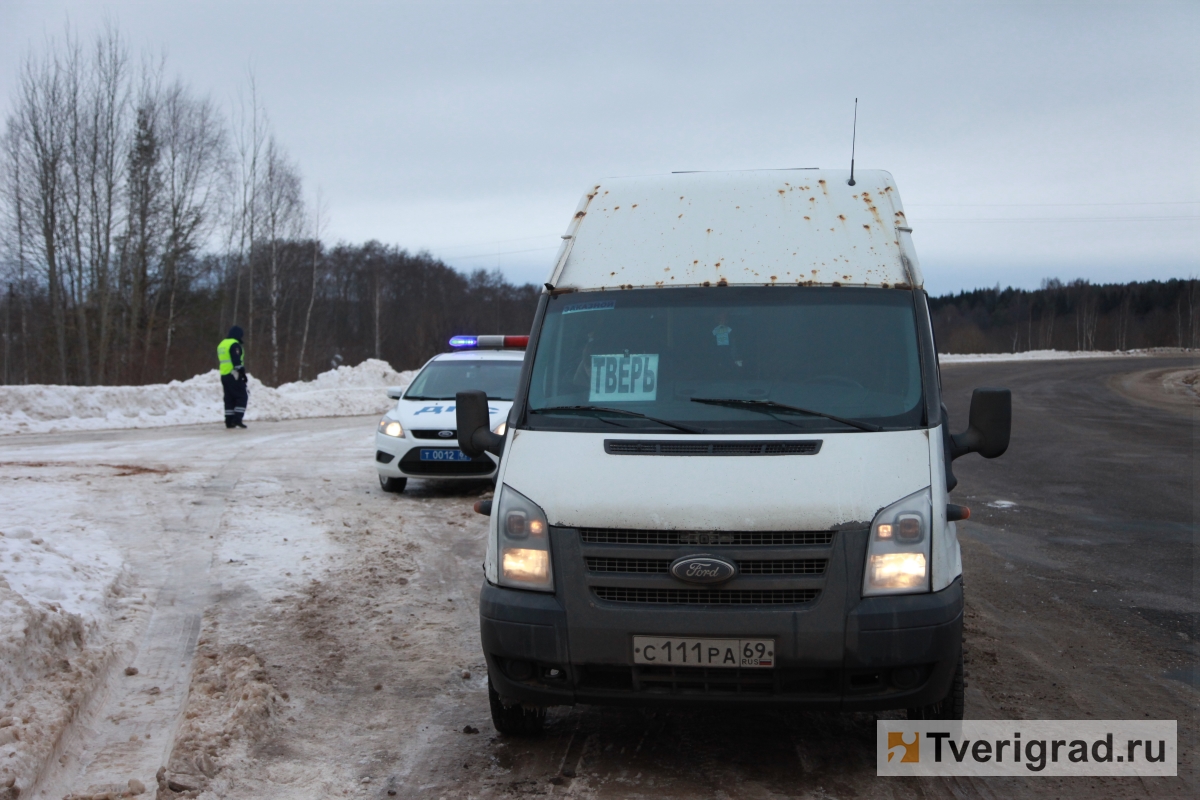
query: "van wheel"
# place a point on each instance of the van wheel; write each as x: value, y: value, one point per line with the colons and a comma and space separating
x: 952, y: 705
x: 392, y: 484
x: 514, y: 720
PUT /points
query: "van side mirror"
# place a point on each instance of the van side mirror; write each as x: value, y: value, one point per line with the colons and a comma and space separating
x: 475, y: 435
x: 989, y: 427
x: 395, y: 392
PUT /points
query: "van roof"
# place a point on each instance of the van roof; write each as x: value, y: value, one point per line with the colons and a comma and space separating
x: 757, y: 227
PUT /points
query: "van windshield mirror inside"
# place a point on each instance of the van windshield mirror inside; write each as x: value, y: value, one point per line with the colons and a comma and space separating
x: 442, y: 380
x: 849, y: 352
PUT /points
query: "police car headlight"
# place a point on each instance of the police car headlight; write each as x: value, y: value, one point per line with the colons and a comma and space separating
x: 389, y: 427
x: 500, y: 429
x: 898, y: 553
x: 524, y: 543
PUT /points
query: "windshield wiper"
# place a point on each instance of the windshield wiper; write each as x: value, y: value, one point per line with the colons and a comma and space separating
x: 621, y: 411
x: 770, y: 406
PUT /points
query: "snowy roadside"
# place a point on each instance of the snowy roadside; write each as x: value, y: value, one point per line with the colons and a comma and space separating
x: 345, y: 391
x: 1056, y: 355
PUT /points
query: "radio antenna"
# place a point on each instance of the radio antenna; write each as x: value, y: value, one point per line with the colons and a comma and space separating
x: 853, y: 141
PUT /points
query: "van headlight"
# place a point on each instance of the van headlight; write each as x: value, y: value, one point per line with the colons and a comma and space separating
x: 389, y: 427
x: 501, y: 428
x: 524, y: 543
x: 898, y: 553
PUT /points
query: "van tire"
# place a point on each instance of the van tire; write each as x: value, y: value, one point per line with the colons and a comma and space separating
x: 952, y: 706
x: 515, y: 720
x: 392, y: 484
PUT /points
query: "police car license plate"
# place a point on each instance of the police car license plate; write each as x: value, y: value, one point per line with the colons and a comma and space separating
x: 442, y: 454
x: 676, y: 651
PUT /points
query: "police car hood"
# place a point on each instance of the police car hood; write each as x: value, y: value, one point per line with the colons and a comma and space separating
x: 853, y: 475
x: 438, y: 415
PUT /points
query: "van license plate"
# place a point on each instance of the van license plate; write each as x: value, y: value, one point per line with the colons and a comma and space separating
x: 444, y: 455
x: 676, y: 651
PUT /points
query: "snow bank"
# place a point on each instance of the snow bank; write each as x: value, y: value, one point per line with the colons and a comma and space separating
x: 50, y: 602
x: 1053, y: 355
x: 56, y: 602
x: 345, y: 391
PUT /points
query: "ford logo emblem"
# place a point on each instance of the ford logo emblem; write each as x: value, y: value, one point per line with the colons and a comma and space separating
x: 446, y: 434
x: 702, y: 569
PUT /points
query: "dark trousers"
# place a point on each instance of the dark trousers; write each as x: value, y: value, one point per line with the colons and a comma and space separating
x: 235, y: 399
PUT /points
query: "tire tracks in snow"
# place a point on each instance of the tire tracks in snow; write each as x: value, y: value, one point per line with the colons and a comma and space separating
x: 127, y: 729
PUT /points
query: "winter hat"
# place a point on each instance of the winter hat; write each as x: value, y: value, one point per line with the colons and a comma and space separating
x: 236, y: 333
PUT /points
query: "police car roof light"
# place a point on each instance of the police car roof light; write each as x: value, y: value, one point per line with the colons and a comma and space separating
x: 489, y: 341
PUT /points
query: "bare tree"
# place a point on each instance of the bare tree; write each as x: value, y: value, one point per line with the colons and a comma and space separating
x: 282, y: 215
x: 15, y: 230
x: 1124, y: 311
x: 320, y: 218
x: 193, y: 158
x: 250, y: 135
x: 39, y: 122
x: 143, y: 237
x: 108, y: 128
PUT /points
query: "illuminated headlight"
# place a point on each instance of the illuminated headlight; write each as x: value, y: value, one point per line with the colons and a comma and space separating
x: 389, y: 427
x: 524, y: 543
x: 500, y: 429
x: 898, y: 553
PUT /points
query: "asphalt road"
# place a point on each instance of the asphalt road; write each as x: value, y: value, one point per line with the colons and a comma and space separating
x: 354, y: 613
x: 1081, y: 604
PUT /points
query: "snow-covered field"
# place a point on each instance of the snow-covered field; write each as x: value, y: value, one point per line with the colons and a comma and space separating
x: 345, y: 391
x: 1054, y: 355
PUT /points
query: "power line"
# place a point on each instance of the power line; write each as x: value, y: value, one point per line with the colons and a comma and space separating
x: 919, y: 221
x: 505, y: 253
x: 1050, y: 205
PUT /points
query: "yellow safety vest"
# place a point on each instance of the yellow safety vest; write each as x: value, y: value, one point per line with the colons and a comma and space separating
x: 224, y: 358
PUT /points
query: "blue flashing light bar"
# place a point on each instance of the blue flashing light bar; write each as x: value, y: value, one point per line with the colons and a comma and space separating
x: 497, y: 341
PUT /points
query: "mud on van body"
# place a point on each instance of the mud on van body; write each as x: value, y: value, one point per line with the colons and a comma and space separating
x: 725, y: 474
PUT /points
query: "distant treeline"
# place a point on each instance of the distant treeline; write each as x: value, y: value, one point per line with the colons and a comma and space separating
x: 335, y: 306
x: 1069, y: 316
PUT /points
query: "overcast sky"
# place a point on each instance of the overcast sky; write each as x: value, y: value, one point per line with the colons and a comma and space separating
x: 1028, y: 140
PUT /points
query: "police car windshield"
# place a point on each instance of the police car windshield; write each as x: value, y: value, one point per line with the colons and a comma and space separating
x: 766, y: 353
x: 441, y: 380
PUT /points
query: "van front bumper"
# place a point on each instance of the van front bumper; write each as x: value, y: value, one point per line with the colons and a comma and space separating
x: 870, y: 654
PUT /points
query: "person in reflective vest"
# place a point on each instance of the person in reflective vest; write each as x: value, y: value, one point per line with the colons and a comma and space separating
x: 231, y: 357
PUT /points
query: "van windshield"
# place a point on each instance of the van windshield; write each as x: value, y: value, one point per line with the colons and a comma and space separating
x: 441, y: 380
x: 657, y: 359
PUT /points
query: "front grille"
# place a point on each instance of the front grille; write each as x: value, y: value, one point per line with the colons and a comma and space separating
x: 654, y: 447
x: 801, y: 566
x: 731, y: 538
x: 434, y: 434
x: 628, y: 565
x: 643, y: 566
x: 719, y: 597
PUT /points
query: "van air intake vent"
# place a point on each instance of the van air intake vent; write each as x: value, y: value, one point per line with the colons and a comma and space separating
x: 657, y: 447
x: 732, y: 538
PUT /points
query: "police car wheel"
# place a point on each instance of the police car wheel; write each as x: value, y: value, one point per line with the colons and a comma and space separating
x: 514, y: 720
x: 392, y: 484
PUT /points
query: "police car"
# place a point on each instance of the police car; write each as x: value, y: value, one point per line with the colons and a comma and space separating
x: 417, y: 438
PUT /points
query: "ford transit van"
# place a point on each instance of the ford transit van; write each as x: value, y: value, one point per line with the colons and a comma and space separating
x: 725, y: 474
